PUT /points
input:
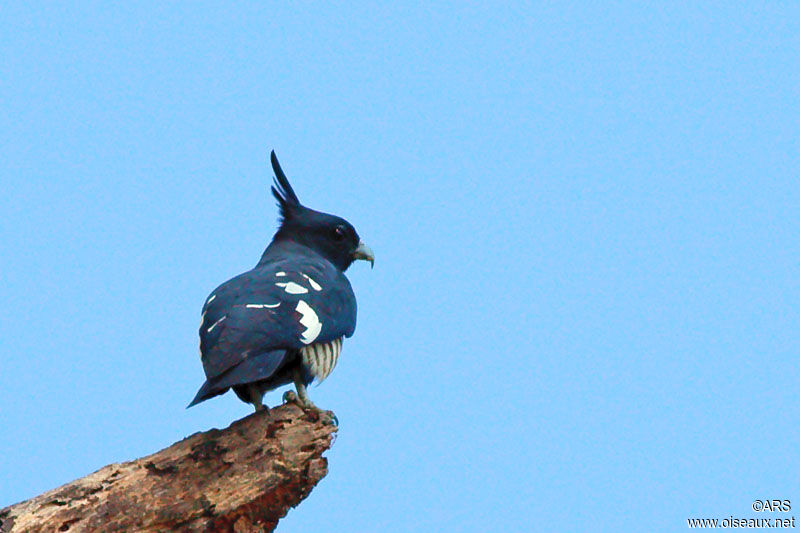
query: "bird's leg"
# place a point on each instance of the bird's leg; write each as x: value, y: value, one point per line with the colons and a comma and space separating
x: 302, y: 394
x: 255, y: 398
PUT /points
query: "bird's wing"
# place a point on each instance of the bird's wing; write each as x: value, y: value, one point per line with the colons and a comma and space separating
x: 281, y: 305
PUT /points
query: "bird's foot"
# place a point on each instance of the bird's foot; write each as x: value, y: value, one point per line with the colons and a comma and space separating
x: 302, y: 401
x: 289, y: 397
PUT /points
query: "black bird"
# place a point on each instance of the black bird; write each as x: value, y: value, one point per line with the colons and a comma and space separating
x: 283, y: 321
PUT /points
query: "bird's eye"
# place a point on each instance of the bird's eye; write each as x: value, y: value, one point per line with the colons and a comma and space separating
x: 338, y: 233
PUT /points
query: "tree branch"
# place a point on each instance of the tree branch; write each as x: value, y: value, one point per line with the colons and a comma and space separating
x: 243, y: 478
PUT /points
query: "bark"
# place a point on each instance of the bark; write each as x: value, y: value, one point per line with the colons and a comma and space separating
x: 244, y: 478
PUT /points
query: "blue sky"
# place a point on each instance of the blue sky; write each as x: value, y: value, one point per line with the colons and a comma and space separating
x: 584, y: 310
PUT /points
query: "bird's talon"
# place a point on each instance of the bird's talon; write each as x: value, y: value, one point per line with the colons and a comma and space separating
x: 289, y: 397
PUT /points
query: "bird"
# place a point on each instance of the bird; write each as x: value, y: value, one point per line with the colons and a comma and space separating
x: 285, y: 320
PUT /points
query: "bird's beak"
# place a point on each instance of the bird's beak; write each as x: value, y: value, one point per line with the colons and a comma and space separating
x: 364, y: 252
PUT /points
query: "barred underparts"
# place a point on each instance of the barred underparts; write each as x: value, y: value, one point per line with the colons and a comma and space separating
x: 320, y: 358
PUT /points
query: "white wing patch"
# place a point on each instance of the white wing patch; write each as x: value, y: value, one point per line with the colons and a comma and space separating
x: 310, y: 320
x: 314, y: 285
x: 292, y: 288
x: 280, y: 274
x: 320, y: 359
x: 216, y: 323
x: 262, y: 306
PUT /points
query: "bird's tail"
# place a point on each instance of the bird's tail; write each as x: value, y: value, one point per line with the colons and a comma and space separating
x: 255, y: 368
x: 208, y: 390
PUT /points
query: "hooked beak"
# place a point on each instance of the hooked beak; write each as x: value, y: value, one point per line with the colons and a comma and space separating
x: 364, y: 252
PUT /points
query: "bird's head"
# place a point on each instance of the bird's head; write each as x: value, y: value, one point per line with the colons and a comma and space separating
x: 330, y: 236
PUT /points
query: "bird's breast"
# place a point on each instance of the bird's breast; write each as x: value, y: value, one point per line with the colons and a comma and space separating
x: 320, y: 358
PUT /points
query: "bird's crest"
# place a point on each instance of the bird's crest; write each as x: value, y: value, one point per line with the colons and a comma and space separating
x: 282, y: 191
